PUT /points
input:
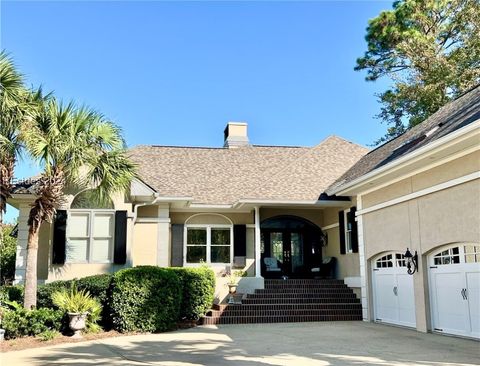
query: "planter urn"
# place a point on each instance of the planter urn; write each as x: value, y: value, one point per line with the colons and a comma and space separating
x: 77, y: 323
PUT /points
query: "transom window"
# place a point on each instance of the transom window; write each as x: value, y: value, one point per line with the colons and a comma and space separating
x: 90, y: 236
x: 209, y: 244
x: 467, y: 253
x: 391, y: 260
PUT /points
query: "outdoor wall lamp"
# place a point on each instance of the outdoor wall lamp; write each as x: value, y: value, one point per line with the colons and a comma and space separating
x: 412, y: 262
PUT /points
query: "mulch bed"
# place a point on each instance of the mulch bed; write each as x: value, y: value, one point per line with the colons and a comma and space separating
x: 32, y: 342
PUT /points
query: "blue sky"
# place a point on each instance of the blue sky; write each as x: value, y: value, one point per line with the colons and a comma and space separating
x: 174, y: 73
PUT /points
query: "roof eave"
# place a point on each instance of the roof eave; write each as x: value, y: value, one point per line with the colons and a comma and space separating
x: 469, y: 133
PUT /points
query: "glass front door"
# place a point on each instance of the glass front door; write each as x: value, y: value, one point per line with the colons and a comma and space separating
x: 286, y: 248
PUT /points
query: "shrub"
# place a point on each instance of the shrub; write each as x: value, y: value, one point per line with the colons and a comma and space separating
x: 198, y: 289
x: 8, y: 252
x: 145, y: 299
x: 44, y: 293
x: 21, y: 323
x: 96, y: 285
x: 11, y: 293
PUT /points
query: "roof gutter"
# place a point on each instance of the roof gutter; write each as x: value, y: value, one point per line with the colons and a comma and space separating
x: 404, y: 160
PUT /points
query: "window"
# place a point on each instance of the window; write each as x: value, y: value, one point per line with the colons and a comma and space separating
x: 391, y: 260
x: 448, y: 256
x: 348, y: 230
x: 90, y: 236
x: 467, y: 253
x: 209, y: 244
x: 385, y: 262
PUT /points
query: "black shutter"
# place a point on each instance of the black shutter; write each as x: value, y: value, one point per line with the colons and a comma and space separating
x: 240, y: 240
x: 59, y: 237
x: 177, y: 245
x: 354, y: 230
x: 341, y: 228
x: 120, y: 247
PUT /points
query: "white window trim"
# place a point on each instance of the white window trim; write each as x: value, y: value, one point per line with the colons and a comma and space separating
x: 91, y: 214
x: 208, y: 227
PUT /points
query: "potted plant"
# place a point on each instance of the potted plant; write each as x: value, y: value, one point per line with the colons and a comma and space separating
x: 79, y: 305
x: 232, y: 283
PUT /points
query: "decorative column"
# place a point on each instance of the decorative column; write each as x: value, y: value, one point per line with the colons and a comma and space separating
x: 364, y: 276
x: 163, y: 239
x: 257, y: 243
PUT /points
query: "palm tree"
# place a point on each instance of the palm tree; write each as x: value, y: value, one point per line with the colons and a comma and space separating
x: 14, y: 108
x: 75, y: 146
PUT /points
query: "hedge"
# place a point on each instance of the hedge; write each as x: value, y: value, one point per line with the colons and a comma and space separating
x: 97, y: 285
x: 198, y: 285
x: 21, y: 323
x: 145, y: 299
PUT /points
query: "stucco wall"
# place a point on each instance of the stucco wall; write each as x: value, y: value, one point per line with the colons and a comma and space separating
x: 454, y: 169
x: 237, y: 218
x: 144, y: 247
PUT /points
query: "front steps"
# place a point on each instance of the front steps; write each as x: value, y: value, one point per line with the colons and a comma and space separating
x: 295, y: 300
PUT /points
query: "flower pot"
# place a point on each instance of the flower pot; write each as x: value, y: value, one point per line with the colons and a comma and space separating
x: 77, y: 323
x: 232, y: 287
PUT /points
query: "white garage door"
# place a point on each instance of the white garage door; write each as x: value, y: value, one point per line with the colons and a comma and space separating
x: 455, y: 290
x: 394, y: 300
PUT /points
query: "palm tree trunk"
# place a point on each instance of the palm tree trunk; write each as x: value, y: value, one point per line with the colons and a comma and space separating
x: 30, y: 299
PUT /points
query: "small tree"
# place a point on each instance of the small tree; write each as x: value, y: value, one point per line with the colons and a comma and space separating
x: 430, y: 49
x: 14, y: 108
x: 75, y: 147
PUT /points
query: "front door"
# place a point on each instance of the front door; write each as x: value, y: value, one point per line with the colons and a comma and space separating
x: 287, y: 248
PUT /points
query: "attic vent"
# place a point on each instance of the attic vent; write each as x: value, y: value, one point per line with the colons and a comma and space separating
x: 433, y: 130
x: 235, y: 135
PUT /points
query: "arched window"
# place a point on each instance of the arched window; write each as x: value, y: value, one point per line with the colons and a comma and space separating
x: 208, y: 239
x: 90, y: 230
x: 391, y: 260
x: 88, y: 199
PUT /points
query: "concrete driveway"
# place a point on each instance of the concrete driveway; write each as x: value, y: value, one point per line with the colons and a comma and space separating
x: 294, y: 344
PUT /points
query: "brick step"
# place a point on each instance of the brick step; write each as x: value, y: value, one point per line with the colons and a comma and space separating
x: 285, y: 312
x: 306, y: 286
x: 301, y: 281
x: 279, y: 319
x: 289, y: 295
x: 303, y: 300
x: 261, y: 307
x: 312, y: 300
x: 326, y: 290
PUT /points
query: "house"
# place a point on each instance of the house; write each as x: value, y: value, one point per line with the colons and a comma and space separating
x: 278, y: 212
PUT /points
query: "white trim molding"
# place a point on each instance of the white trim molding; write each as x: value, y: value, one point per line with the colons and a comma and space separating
x: 423, y: 192
x: 331, y: 226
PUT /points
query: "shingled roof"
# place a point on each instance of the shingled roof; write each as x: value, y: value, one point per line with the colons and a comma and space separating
x: 225, y: 176
x: 454, y: 115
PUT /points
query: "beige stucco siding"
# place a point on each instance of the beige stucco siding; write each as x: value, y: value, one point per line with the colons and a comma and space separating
x: 207, y: 218
x: 446, y: 216
x: 454, y: 169
x: 144, y: 248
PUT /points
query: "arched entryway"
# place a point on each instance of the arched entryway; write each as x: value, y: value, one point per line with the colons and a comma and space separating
x: 290, y: 246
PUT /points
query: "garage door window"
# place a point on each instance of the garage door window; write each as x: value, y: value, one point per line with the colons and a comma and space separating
x: 388, y: 262
x: 468, y: 253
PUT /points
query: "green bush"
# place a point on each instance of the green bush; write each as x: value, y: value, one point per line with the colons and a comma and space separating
x: 11, y: 293
x: 146, y: 299
x: 198, y: 289
x: 8, y: 252
x: 44, y: 293
x: 96, y: 285
x: 21, y: 323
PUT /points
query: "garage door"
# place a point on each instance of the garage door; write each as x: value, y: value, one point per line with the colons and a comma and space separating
x: 394, y: 300
x: 455, y: 290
